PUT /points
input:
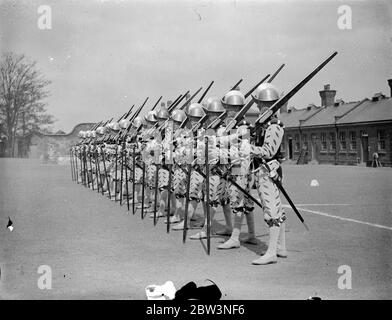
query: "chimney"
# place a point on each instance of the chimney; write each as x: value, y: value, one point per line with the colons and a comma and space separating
x: 327, y: 96
x: 390, y: 86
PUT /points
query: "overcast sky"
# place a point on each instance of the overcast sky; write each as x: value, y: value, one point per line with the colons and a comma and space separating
x: 104, y: 56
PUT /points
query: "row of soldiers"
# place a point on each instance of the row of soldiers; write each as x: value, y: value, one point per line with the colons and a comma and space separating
x: 174, y: 159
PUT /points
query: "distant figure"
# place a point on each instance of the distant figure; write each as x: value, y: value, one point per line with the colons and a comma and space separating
x: 376, y: 163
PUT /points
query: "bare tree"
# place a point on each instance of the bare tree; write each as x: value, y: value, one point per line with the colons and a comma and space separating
x: 22, y: 91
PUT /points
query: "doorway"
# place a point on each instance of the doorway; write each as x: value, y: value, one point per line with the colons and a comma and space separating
x: 290, y: 148
x: 365, y: 147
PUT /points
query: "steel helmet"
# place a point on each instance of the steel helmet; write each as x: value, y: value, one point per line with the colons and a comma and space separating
x: 137, y: 122
x: 178, y: 116
x: 93, y: 134
x: 234, y: 99
x: 151, y: 116
x: 195, y: 110
x: 88, y: 134
x: 213, y: 106
x: 163, y: 114
x: 81, y: 133
x: 124, y: 123
x: 100, y: 130
x: 265, y: 92
x: 116, y: 126
x: 110, y: 125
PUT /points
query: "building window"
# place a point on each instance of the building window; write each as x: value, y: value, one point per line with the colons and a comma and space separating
x: 342, y: 141
x: 296, y: 143
x: 381, y: 140
x: 353, y: 140
x: 323, y: 141
x: 332, y: 141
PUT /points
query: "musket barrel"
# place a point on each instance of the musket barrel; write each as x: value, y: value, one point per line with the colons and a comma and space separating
x: 276, y: 73
x: 278, y: 104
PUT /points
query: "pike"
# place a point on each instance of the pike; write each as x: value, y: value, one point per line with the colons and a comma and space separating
x: 133, y: 179
x: 96, y: 167
x: 168, y: 197
x: 143, y: 178
x: 70, y: 160
x: 188, y: 185
x: 104, y: 168
x: 126, y: 173
x: 122, y: 170
x: 76, y: 164
x: 156, y: 193
x: 207, y: 168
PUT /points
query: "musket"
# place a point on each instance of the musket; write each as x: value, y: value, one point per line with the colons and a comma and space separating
x: 245, y: 108
x: 236, y: 85
x: 266, y: 115
x: 205, y: 117
x: 183, y: 124
x: 205, y: 92
x: 132, y: 118
x: 156, y: 103
x: 276, y: 73
x: 129, y: 112
x: 159, y: 128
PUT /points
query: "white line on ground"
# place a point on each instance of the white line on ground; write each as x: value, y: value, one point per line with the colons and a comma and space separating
x: 341, y: 218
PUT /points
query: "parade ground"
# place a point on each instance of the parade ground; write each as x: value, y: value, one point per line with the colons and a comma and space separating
x: 96, y: 249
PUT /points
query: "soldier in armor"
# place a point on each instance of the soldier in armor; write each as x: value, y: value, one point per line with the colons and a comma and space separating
x: 195, y: 113
x: 180, y: 156
x: 218, y: 187
x: 266, y: 153
x: 164, y: 149
x: 234, y: 101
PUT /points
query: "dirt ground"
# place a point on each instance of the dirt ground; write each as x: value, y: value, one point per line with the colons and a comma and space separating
x: 97, y: 250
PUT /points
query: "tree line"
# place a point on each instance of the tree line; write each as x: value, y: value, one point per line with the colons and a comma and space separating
x: 23, y: 89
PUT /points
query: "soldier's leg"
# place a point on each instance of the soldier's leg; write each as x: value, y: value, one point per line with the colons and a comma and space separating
x: 214, y: 201
x: 269, y: 194
x: 237, y: 205
x: 195, y: 196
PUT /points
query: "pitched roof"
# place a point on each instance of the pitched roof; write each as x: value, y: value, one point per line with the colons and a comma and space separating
x: 292, y: 119
x: 326, y: 115
x: 369, y: 111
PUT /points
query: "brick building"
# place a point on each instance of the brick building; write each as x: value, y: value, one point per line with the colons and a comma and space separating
x: 338, y: 132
